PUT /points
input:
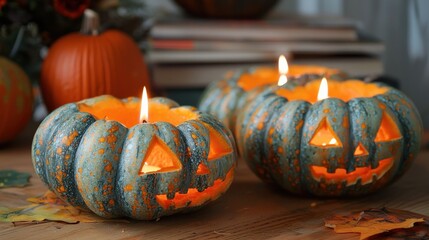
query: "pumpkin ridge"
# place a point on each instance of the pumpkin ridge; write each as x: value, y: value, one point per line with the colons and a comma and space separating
x: 274, y: 107
x: 196, y: 151
x: 61, y: 155
x: 41, y: 135
x: 410, y: 135
x: 254, y: 144
x: 368, y: 111
x: 90, y: 164
x: 302, y: 110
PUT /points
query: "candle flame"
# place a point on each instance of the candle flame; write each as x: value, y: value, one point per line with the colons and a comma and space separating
x: 283, y: 66
x: 283, y: 69
x: 144, y: 108
x: 323, y: 90
x: 282, y: 80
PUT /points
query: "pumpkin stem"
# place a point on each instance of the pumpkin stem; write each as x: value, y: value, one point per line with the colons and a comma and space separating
x: 90, y: 23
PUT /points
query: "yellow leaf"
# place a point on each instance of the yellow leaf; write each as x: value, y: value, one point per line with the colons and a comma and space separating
x: 373, y: 221
x: 49, y: 208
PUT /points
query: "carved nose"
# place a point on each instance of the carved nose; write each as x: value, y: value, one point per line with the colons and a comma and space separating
x: 360, y: 150
x: 202, y: 169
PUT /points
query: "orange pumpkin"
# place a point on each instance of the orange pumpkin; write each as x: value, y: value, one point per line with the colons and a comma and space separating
x: 16, y: 100
x: 88, y: 64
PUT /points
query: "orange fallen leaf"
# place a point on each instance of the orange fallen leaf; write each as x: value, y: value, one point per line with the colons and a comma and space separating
x: 49, y: 208
x: 372, y: 222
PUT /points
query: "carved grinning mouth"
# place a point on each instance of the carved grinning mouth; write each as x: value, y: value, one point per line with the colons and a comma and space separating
x: 366, y: 174
x: 194, y: 197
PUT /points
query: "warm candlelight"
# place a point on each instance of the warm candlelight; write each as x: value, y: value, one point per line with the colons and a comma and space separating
x: 144, y: 109
x: 323, y: 90
x: 283, y: 69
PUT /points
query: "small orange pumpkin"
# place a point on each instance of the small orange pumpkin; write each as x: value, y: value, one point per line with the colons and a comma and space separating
x: 16, y: 100
x: 88, y: 64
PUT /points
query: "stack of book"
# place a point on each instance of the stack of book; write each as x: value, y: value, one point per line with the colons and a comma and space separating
x: 193, y: 53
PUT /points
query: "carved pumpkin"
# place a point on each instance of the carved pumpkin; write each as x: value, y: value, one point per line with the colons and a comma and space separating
x: 358, y: 140
x: 16, y: 100
x: 95, y: 155
x: 226, y: 98
x: 89, y: 64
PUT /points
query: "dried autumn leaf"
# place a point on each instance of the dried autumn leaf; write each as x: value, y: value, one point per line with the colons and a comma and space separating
x: 374, y: 221
x: 49, y: 208
x: 12, y: 178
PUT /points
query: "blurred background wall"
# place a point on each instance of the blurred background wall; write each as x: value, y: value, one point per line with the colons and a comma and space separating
x: 402, y: 25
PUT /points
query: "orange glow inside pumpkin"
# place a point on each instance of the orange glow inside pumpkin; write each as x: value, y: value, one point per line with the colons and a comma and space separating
x: 195, y: 198
x: 345, y: 90
x: 325, y: 136
x: 360, y: 151
x: 202, y: 169
x: 128, y: 113
x: 218, y: 145
x: 264, y: 75
x: 159, y: 158
x: 388, y: 131
x: 366, y: 174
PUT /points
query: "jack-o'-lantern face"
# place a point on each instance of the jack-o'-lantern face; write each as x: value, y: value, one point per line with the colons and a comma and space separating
x: 354, y: 142
x: 104, y: 160
x: 201, y: 174
x: 325, y: 138
x: 348, y: 149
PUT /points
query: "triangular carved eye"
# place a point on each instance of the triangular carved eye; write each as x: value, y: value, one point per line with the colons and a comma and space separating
x: 202, y: 169
x: 360, y: 151
x: 159, y: 158
x: 388, y: 129
x: 219, y: 145
x: 325, y: 136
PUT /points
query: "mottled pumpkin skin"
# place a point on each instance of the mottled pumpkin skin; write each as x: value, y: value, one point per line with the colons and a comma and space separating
x: 16, y: 100
x: 274, y: 138
x: 225, y: 99
x: 94, y: 164
x: 80, y: 66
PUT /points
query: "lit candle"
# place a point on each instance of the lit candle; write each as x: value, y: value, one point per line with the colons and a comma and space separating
x: 144, y: 108
x: 283, y: 69
x: 323, y: 90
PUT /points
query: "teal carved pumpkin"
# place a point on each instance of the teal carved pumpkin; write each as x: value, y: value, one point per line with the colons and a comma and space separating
x: 95, y: 155
x: 361, y: 138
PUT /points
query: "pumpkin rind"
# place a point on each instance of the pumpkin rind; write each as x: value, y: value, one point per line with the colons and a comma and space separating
x: 16, y: 100
x: 274, y: 138
x: 94, y: 164
x: 225, y: 99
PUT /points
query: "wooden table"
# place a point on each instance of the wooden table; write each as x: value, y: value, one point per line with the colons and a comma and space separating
x: 249, y: 210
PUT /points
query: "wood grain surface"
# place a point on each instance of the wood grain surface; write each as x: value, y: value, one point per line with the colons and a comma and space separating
x: 249, y: 210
